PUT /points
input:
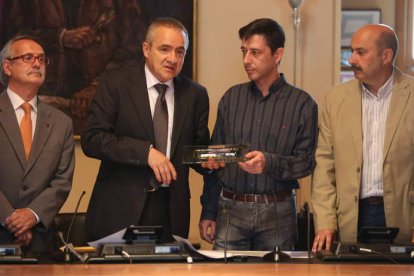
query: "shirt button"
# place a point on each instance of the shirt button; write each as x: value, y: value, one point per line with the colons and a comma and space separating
x: 358, y: 169
x: 25, y: 188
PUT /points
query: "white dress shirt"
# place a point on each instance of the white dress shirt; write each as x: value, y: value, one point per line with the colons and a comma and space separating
x: 374, y: 119
x: 17, y: 102
x: 169, y: 97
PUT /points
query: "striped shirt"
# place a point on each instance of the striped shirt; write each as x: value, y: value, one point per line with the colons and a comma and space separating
x: 374, y: 119
x: 282, y: 125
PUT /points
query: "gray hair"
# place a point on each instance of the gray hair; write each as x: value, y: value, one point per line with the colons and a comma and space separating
x: 6, y: 53
x: 166, y: 22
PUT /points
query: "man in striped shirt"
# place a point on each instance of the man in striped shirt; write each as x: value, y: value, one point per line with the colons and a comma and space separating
x: 364, y: 175
x: 279, y: 123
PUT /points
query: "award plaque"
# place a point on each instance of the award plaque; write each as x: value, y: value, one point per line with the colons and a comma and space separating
x: 219, y: 153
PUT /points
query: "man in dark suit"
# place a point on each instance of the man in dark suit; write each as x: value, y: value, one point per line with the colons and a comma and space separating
x: 36, y: 149
x: 142, y: 179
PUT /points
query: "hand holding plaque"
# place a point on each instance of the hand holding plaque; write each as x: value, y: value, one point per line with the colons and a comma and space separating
x: 217, y: 153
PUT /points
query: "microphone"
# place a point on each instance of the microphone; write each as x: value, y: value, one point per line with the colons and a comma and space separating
x: 276, y: 255
x: 67, y: 246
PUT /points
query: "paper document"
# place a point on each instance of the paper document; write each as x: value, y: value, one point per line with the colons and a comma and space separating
x: 113, y: 238
x: 219, y: 254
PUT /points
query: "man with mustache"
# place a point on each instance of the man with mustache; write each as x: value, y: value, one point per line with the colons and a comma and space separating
x: 36, y: 149
x: 140, y: 121
x: 364, y: 175
x: 279, y: 122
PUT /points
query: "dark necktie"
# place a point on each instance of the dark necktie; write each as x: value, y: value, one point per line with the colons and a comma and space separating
x: 160, y: 119
x: 26, y: 128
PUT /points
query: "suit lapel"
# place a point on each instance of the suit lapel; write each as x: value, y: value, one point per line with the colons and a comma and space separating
x: 138, y: 93
x: 399, y: 98
x: 353, y: 107
x: 11, y: 128
x: 43, y: 130
x: 181, y: 104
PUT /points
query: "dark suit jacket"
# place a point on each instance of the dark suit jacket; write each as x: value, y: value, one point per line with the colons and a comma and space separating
x: 119, y: 132
x: 43, y: 182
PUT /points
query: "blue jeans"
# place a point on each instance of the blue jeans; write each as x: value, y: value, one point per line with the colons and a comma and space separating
x: 252, y: 226
x: 370, y: 215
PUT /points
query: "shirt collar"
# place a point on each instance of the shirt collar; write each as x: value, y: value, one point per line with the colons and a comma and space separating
x: 152, y: 80
x: 384, y: 90
x: 17, y: 101
x: 276, y: 85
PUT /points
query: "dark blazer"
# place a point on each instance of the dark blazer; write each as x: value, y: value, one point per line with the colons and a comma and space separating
x: 119, y: 132
x: 43, y: 182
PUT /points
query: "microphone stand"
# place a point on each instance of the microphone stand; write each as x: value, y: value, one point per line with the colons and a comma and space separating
x: 276, y: 255
x: 67, y: 255
x: 306, y: 206
x: 226, y: 236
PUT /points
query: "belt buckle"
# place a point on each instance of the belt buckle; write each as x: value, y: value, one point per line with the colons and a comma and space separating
x: 246, y: 198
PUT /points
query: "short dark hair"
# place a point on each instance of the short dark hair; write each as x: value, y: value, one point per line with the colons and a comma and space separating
x: 6, y: 53
x: 270, y: 29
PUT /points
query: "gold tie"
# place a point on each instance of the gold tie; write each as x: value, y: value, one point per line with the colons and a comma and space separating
x: 26, y: 128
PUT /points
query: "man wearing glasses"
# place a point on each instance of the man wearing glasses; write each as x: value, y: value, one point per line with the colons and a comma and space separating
x: 36, y: 149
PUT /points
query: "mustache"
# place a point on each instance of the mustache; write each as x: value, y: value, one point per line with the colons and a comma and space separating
x: 35, y: 71
x: 355, y: 68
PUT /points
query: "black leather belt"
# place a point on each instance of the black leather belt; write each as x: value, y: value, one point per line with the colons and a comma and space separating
x: 374, y: 200
x: 258, y: 198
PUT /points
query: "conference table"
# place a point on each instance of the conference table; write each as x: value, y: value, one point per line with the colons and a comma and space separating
x: 215, y: 269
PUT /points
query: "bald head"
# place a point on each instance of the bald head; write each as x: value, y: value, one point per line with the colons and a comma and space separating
x: 374, y: 48
x: 383, y: 35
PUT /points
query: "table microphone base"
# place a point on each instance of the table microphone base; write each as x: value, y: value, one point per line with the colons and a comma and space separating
x: 276, y: 256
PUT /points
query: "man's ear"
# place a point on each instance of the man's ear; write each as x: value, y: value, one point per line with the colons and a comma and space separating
x: 387, y: 55
x: 6, y: 67
x: 278, y: 55
x: 145, y: 48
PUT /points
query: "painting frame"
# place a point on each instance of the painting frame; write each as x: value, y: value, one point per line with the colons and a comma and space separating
x: 66, y: 98
x: 352, y: 20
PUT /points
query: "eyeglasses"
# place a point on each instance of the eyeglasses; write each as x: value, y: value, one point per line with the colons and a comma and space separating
x: 29, y: 58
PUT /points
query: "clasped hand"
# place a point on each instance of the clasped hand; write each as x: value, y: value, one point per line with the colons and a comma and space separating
x: 20, y: 223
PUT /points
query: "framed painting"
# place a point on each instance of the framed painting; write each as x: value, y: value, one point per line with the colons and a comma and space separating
x: 345, y: 55
x: 352, y: 20
x: 85, y: 39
